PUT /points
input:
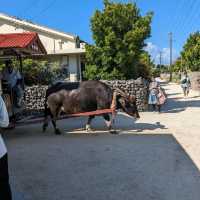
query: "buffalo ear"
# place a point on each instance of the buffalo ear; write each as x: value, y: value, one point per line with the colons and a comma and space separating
x: 122, y: 102
x: 132, y: 98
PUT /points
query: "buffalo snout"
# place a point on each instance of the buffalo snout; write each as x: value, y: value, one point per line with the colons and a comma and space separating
x: 137, y: 116
x: 134, y: 114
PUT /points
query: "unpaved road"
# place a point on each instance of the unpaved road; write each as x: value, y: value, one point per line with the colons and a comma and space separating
x: 181, y: 117
x: 155, y: 158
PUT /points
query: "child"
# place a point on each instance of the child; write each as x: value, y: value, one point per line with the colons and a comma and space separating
x: 153, y: 92
x: 156, y: 96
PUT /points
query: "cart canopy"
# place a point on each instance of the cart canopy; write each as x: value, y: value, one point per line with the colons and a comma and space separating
x: 24, y: 44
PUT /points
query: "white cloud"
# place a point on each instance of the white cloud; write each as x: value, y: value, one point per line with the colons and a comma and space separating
x: 154, y: 51
x: 151, y: 48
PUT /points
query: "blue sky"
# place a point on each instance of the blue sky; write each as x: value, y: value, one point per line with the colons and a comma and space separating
x: 180, y: 17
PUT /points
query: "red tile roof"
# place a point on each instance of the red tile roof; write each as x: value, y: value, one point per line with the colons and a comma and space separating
x: 16, y: 40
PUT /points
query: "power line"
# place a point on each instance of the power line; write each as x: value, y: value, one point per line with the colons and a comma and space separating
x: 190, y: 16
x: 22, y: 14
x: 188, y: 26
x: 18, y: 17
x: 176, y: 15
x: 179, y: 17
x: 29, y: 7
x: 192, y: 19
x: 44, y: 9
x: 186, y: 22
x: 183, y: 17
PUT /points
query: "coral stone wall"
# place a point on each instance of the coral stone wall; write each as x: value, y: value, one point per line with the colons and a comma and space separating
x: 138, y: 87
x: 35, y: 95
x: 195, y: 80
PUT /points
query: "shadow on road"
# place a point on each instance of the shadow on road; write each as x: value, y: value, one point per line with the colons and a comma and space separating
x: 124, y: 123
x: 173, y: 94
x: 77, y: 125
x: 146, y: 167
x: 175, y: 105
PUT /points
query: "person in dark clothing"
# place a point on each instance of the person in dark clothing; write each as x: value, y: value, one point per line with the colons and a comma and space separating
x: 5, y: 191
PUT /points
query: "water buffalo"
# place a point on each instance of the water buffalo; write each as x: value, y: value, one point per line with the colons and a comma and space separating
x: 55, y: 88
x: 88, y: 96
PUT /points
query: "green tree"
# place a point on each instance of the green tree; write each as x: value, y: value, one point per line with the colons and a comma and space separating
x: 145, y: 65
x: 177, y: 66
x: 191, y: 53
x: 119, y: 33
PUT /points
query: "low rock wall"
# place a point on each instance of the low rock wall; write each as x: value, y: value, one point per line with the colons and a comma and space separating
x: 138, y: 87
x: 195, y: 80
x: 35, y: 95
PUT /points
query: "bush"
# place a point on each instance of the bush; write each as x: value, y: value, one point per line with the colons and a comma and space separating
x: 156, y: 72
x: 39, y: 71
x: 176, y: 77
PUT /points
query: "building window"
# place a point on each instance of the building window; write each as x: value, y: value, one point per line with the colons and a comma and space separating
x: 65, y: 61
x: 61, y: 45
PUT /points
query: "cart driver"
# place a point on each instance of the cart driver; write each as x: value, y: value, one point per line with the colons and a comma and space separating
x: 13, y: 79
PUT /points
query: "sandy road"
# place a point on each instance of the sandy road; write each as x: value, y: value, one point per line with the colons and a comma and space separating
x: 155, y: 158
x: 181, y: 117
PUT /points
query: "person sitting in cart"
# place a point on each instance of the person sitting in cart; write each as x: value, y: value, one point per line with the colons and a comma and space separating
x: 14, y: 80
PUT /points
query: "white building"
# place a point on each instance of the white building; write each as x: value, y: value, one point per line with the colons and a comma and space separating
x: 61, y: 47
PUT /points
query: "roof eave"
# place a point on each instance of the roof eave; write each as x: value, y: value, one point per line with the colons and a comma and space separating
x: 37, y: 27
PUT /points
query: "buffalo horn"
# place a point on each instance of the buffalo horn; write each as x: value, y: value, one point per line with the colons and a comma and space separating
x: 121, y: 92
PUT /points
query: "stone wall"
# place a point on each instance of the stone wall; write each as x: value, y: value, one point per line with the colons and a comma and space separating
x: 35, y: 95
x: 165, y: 76
x: 138, y: 87
x: 195, y: 80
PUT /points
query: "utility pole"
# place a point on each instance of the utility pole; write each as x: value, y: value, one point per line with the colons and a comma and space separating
x: 160, y: 58
x: 181, y: 64
x: 170, y: 47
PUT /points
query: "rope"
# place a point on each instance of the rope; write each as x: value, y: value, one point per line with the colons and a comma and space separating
x: 41, y: 119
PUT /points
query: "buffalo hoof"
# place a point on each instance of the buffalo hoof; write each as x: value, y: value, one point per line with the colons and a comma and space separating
x: 88, y: 128
x: 57, y: 132
x: 44, y: 127
x: 113, y: 131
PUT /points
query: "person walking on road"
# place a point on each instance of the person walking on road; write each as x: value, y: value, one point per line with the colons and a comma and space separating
x: 5, y: 191
x: 185, y: 84
x: 156, y: 96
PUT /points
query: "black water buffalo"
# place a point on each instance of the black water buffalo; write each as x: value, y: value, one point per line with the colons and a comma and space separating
x: 55, y: 88
x: 88, y: 96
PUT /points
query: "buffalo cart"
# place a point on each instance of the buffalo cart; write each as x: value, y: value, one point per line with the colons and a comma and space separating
x: 19, y: 46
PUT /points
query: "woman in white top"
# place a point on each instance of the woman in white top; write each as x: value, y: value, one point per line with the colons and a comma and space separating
x: 5, y: 192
